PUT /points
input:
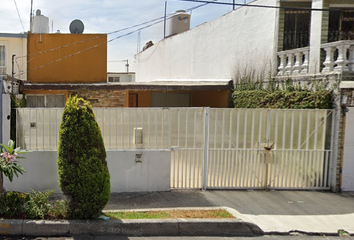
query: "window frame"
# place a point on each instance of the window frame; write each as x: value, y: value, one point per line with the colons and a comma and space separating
x: 2, y: 44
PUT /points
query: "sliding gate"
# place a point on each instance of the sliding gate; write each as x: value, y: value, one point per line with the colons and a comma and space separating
x: 251, y: 149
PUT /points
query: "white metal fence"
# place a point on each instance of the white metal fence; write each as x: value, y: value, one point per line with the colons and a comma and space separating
x: 211, y: 148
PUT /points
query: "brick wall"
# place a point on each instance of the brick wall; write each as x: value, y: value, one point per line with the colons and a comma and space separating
x: 103, y: 98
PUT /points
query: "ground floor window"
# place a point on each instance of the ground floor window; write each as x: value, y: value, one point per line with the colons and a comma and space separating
x: 46, y: 101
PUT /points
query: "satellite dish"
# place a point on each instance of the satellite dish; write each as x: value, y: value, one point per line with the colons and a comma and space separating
x: 77, y: 26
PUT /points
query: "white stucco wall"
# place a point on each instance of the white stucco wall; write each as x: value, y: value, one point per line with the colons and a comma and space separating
x: 152, y: 174
x: 18, y: 46
x: 246, y: 37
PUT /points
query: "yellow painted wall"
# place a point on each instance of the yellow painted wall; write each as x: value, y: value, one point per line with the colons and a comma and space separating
x: 217, y: 99
x: 87, y: 66
x: 18, y: 46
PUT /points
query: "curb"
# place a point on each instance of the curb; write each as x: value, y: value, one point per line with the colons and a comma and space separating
x: 141, y: 227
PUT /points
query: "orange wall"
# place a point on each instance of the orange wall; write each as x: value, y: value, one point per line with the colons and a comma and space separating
x: 217, y: 99
x: 89, y: 66
x: 144, y: 98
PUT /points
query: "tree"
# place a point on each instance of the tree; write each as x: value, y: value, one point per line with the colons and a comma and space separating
x: 82, y: 166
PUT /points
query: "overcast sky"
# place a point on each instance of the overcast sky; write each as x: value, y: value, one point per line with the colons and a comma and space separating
x: 104, y: 16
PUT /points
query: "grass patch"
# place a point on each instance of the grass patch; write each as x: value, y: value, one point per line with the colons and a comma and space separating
x: 170, y: 214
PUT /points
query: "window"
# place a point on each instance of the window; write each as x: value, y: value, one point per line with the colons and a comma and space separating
x: 113, y: 79
x: 341, y: 25
x: 296, y: 29
x: 46, y: 101
x: 2, y: 60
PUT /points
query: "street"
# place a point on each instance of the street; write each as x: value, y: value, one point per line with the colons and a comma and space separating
x: 267, y: 237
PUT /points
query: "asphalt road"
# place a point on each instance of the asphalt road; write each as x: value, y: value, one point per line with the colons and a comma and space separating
x: 267, y: 237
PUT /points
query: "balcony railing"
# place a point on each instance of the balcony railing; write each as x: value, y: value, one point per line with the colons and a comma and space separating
x: 339, y: 58
x: 295, y: 61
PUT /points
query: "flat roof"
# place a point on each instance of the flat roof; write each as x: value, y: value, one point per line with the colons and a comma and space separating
x: 14, y: 35
x: 199, y: 85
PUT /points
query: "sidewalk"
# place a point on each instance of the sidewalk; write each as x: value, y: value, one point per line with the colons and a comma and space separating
x: 272, y: 211
x: 257, y: 212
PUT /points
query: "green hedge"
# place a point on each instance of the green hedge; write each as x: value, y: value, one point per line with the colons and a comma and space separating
x: 283, y: 99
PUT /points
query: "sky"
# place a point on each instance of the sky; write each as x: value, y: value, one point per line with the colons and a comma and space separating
x: 105, y: 16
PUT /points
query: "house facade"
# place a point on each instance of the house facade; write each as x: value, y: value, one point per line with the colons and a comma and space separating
x: 305, y: 40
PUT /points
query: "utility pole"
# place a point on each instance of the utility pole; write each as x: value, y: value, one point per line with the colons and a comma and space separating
x: 127, y: 65
x: 13, y: 74
x: 233, y: 4
x: 31, y: 16
x: 164, y: 22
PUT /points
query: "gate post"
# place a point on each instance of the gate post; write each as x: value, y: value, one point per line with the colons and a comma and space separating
x: 205, y: 148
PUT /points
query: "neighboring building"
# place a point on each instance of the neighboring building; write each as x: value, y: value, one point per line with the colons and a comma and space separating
x: 13, y: 44
x: 115, y: 77
x: 285, y: 40
x: 256, y: 40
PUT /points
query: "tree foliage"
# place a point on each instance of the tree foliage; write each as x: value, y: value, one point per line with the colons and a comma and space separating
x: 82, y: 166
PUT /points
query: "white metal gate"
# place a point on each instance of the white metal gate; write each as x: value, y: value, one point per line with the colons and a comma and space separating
x: 211, y: 148
x: 264, y: 148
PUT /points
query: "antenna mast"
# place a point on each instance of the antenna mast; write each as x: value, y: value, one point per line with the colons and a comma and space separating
x: 31, y: 16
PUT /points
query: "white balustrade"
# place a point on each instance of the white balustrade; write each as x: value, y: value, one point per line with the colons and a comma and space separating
x: 340, y: 63
x: 294, y: 62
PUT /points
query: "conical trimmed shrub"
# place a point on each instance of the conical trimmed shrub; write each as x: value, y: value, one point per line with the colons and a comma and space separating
x: 82, y: 166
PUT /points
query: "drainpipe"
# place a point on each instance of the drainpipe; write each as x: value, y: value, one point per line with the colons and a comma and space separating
x: 13, y: 73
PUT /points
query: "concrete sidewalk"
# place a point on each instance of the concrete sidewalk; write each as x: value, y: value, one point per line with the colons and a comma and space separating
x: 272, y: 211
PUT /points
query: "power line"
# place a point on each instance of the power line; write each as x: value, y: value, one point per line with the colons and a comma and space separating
x: 263, y: 6
x: 109, y: 33
x: 154, y: 22
x: 71, y: 44
x: 89, y: 48
x: 19, y: 16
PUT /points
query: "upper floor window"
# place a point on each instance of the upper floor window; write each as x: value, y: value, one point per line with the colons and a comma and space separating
x: 341, y: 25
x: 296, y: 29
x: 2, y: 60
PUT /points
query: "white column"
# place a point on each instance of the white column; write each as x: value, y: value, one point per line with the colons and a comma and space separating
x: 315, y: 37
x: 342, y: 60
x: 329, y: 62
x: 351, y: 58
x: 281, y: 67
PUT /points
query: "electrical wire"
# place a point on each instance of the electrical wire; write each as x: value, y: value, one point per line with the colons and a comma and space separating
x: 153, y: 22
x: 263, y: 6
x: 89, y: 48
x: 19, y: 16
x: 110, y: 33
